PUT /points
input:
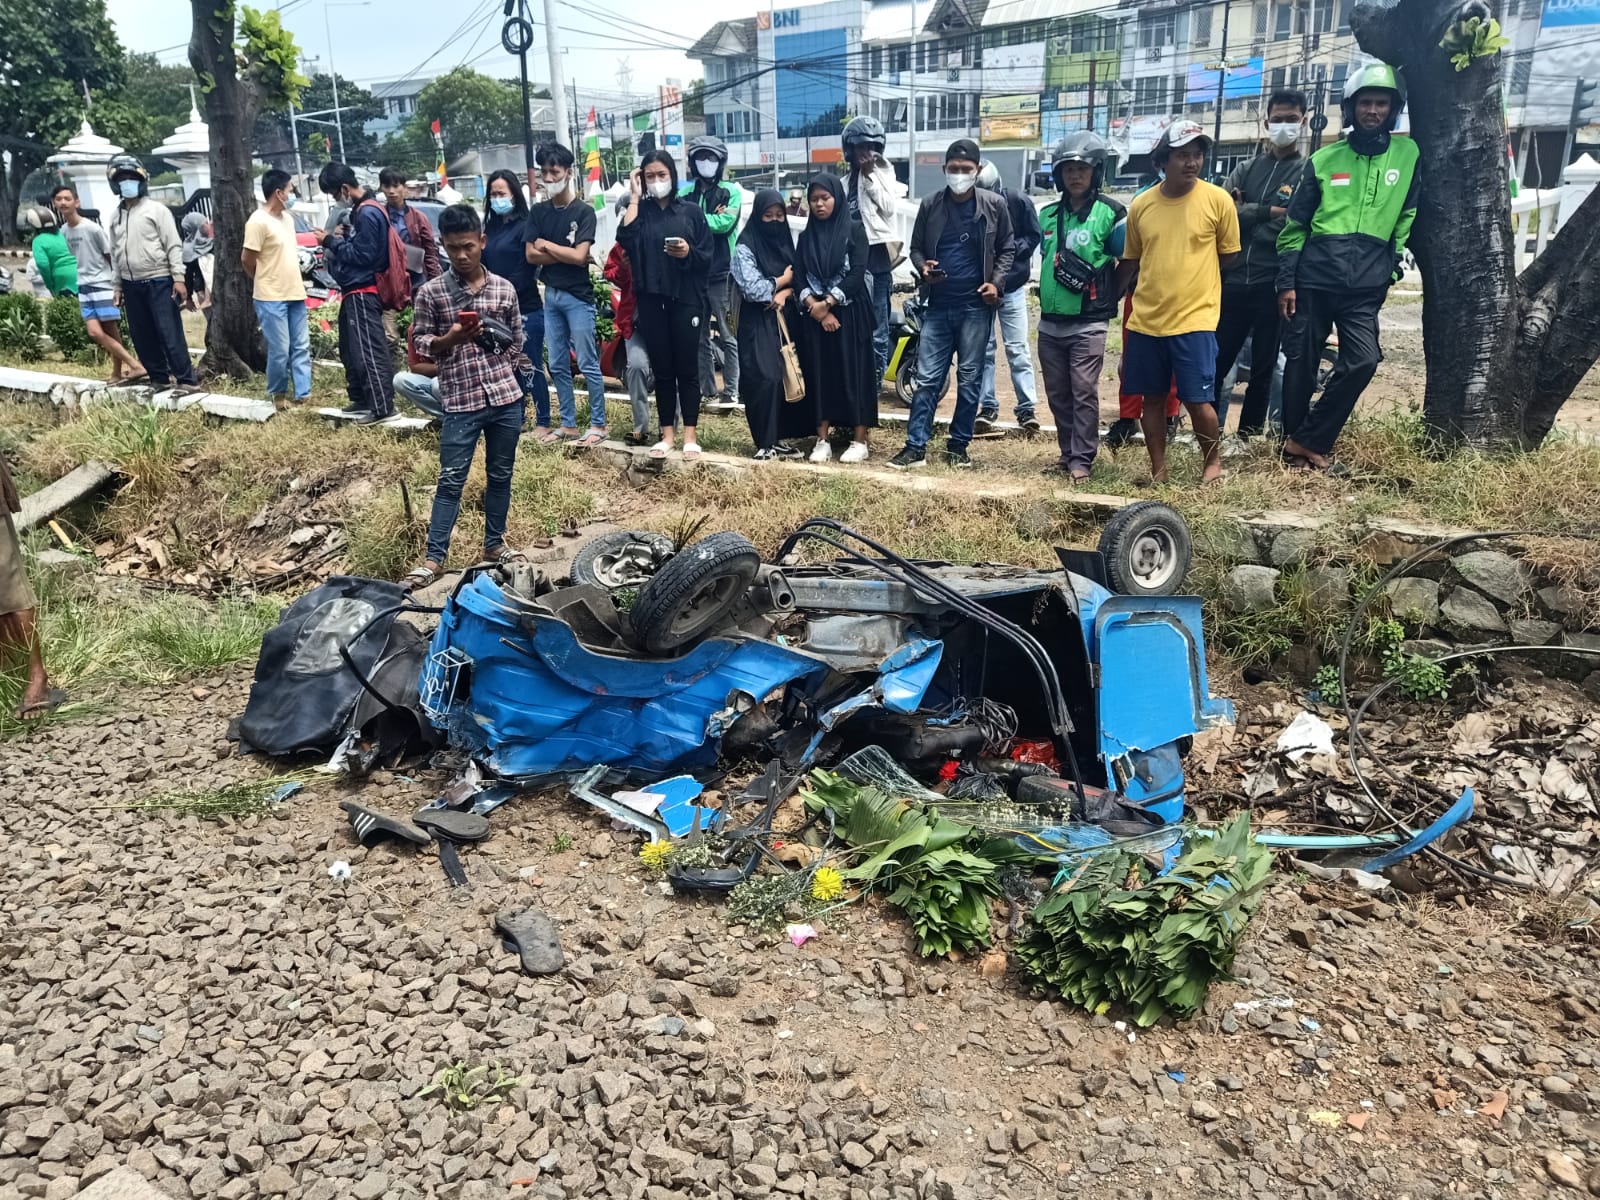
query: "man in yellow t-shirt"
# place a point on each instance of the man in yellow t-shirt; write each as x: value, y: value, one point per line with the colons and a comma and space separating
x: 1180, y: 236
x: 272, y: 258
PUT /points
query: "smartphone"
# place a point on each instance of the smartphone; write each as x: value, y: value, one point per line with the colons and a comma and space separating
x: 673, y: 242
x: 467, y: 319
x: 937, y: 275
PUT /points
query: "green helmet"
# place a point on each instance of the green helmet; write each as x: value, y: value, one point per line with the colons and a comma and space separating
x: 1375, y: 75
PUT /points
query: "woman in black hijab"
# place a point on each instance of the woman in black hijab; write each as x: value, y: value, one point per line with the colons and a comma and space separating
x: 764, y: 270
x: 836, y: 347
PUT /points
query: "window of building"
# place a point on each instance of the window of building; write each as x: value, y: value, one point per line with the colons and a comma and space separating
x: 875, y: 60
x: 1158, y: 31
x: 1346, y: 5
x: 1180, y: 85
x: 1283, y: 23
x: 1521, y: 76
x: 1149, y: 96
x: 1202, y: 27
x: 901, y: 56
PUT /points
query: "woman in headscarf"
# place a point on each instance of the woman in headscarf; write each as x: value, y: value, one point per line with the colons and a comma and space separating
x: 505, y: 220
x: 836, y: 348
x: 764, y: 270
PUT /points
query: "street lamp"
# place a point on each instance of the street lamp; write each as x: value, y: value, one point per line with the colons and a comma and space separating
x: 333, y: 71
x: 752, y: 108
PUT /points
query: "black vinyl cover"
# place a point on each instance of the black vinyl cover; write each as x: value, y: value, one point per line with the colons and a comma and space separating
x: 304, y: 694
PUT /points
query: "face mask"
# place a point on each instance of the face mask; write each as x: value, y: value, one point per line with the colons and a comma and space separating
x: 705, y: 167
x: 1283, y: 133
x: 288, y: 201
x: 558, y: 189
x: 660, y: 188
x: 958, y: 183
x: 500, y: 205
x: 128, y: 188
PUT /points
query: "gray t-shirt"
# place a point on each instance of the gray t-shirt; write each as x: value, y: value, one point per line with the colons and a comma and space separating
x: 91, y: 246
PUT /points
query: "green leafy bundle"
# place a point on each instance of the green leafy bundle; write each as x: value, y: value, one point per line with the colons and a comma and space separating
x: 1117, y: 933
x: 930, y: 867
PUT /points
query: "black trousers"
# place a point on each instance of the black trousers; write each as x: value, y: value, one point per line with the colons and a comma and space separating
x: 364, y: 350
x: 671, y: 331
x: 156, y: 326
x: 1317, y: 312
x: 1250, y: 312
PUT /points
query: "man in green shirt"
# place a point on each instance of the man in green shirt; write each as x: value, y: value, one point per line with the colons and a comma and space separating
x: 57, y: 268
x: 720, y: 201
x: 1338, y: 255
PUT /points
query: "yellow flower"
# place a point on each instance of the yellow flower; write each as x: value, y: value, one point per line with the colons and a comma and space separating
x: 827, y: 884
x: 654, y: 855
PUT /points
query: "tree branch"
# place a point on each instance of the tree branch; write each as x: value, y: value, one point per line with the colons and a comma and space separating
x: 1381, y: 31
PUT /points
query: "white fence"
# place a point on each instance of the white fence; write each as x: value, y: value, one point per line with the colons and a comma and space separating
x: 1534, y: 214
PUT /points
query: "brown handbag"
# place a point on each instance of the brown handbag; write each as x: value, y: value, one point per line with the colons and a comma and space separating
x: 794, y: 383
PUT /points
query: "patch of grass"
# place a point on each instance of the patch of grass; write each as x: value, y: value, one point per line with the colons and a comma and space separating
x: 560, y: 844
x: 184, y: 637
x: 383, y: 544
x: 247, y: 798
x: 146, y: 445
x: 462, y: 1088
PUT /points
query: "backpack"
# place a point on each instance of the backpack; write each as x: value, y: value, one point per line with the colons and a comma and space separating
x: 393, y: 281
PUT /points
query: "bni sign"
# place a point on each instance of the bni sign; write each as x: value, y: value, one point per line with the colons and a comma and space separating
x: 788, y: 18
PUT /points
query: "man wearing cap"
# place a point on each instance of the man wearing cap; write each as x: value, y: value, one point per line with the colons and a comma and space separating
x: 1338, y: 254
x: 961, y: 250
x: 1180, y: 237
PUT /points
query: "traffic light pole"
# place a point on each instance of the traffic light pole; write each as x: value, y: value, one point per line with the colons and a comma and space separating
x: 1580, y: 100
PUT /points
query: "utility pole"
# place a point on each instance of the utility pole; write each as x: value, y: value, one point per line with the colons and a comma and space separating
x: 911, y: 109
x: 558, y: 87
x: 576, y: 148
x: 1094, y: 63
x: 516, y: 36
x: 1580, y: 101
x: 1222, y: 73
x: 333, y: 71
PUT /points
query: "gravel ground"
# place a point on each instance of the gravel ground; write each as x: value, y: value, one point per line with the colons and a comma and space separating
x: 201, y: 1002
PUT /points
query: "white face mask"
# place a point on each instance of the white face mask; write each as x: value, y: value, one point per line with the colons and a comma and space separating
x: 660, y: 188
x: 1283, y: 133
x: 558, y: 188
x: 706, y: 168
x: 958, y: 183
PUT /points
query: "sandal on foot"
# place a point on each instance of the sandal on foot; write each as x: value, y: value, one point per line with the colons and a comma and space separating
x: 456, y: 826
x: 691, y: 451
x: 533, y: 935
x: 660, y: 450
x: 545, y: 436
x: 53, y: 700
x: 417, y: 578
x: 591, y: 439
x: 504, y: 556
x: 372, y: 827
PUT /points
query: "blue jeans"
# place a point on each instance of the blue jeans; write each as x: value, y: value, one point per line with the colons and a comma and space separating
x: 1013, y: 327
x: 500, y: 426
x: 961, y: 334
x: 422, y: 391
x: 283, y: 324
x: 882, y: 290
x: 569, y: 328
x: 533, y: 347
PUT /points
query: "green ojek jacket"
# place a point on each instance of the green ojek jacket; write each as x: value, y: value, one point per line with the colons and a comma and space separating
x: 717, y: 194
x: 1350, y: 218
x: 1088, y: 235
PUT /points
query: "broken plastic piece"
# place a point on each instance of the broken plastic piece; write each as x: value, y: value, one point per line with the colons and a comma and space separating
x: 800, y: 934
x: 677, y: 810
x: 282, y: 793
x: 1453, y: 816
x: 1308, y: 734
x: 339, y: 870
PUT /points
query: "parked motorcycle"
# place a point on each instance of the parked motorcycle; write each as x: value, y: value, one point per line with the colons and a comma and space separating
x: 905, y: 328
x: 5, y: 281
x: 320, y: 287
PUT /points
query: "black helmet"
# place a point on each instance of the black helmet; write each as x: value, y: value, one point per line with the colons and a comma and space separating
x: 1083, y: 146
x: 863, y: 132
x: 125, y: 164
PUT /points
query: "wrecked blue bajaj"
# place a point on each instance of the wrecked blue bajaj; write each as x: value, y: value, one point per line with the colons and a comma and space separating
x: 722, y: 655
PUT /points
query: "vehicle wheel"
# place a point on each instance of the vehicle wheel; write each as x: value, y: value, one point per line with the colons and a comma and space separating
x: 905, y: 382
x: 693, y: 591
x: 1147, y: 550
x: 620, y: 559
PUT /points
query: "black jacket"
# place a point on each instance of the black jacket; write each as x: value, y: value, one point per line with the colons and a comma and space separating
x: 1265, y: 183
x: 657, y: 273
x: 1025, y: 236
x: 998, y: 253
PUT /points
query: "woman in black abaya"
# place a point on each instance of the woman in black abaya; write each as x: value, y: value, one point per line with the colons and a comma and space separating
x: 836, y: 347
x: 764, y: 270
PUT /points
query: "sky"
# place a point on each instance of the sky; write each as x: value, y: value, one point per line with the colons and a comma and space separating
x: 388, y: 39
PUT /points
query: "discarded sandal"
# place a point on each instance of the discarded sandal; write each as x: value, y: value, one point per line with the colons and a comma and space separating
x: 533, y: 935
x: 372, y: 827
x: 456, y: 826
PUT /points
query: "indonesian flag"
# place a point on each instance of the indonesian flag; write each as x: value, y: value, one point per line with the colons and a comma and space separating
x: 1340, y: 180
x: 438, y: 144
x: 591, y: 151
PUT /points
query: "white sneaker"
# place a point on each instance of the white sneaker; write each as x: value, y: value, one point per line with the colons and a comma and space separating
x: 822, y: 452
x: 857, y: 452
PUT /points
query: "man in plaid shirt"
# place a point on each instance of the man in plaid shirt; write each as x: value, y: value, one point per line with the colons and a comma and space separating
x: 455, y: 318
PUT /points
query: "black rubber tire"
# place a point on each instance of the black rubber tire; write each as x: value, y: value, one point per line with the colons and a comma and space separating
x: 905, y: 380
x: 693, y: 592
x: 597, y: 563
x: 1147, y: 549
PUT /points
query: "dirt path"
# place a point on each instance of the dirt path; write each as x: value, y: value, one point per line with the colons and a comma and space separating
x: 201, y: 1001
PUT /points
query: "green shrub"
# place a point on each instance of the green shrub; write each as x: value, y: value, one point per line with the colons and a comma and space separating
x: 323, y: 325
x: 64, y: 323
x: 21, y: 325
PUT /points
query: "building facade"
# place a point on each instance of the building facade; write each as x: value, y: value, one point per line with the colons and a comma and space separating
x: 1017, y: 75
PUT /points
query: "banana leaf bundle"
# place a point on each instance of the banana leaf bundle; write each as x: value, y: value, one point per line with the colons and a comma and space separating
x: 1116, y: 932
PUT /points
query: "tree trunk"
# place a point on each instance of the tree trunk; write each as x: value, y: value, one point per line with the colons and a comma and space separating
x: 1503, y: 354
x: 11, y: 195
x: 234, y: 345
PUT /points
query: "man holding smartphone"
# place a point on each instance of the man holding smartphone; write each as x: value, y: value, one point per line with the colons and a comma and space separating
x: 560, y: 233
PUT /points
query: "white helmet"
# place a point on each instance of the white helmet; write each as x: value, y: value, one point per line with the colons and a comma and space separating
x: 988, y: 176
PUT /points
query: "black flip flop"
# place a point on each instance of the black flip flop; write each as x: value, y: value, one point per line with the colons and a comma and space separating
x: 533, y: 935
x: 456, y: 826
x: 53, y: 700
x: 372, y: 827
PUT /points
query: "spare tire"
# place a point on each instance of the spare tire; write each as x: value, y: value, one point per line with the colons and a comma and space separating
x: 1147, y: 549
x: 693, y: 592
x: 622, y: 558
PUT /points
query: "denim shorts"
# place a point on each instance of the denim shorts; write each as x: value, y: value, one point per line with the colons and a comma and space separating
x: 1151, y: 364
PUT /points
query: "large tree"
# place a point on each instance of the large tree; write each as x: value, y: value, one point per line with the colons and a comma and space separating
x: 1503, y: 351
x: 472, y: 110
x: 158, y: 97
x: 50, y: 51
x: 359, y: 105
x: 241, y: 71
